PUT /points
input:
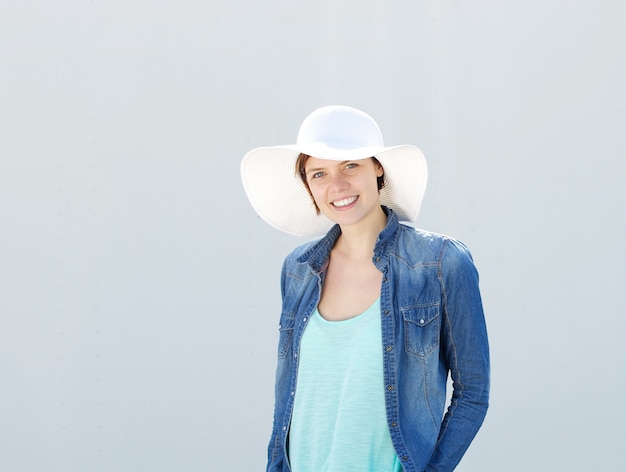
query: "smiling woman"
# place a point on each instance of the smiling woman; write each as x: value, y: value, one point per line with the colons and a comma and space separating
x: 376, y: 314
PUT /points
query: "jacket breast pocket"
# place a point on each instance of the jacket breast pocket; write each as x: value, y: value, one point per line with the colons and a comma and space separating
x: 285, y: 333
x: 422, y: 327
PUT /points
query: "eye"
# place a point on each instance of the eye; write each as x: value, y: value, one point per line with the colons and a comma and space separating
x: 351, y: 165
x: 317, y: 175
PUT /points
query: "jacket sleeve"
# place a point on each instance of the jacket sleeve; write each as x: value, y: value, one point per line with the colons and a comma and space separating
x: 275, y: 454
x: 466, y: 352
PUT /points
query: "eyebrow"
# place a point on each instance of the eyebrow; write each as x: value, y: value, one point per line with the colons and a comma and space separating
x: 317, y: 169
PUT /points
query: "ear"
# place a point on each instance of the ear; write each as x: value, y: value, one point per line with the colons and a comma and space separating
x: 379, y: 170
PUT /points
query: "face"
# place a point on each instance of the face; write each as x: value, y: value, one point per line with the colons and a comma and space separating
x: 345, y: 191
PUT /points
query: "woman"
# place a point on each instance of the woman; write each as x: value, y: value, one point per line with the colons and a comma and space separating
x: 375, y: 314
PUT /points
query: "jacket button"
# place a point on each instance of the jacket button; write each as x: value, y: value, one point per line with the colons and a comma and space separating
x: 304, y: 320
x: 405, y: 458
x: 386, y: 312
x: 422, y: 321
x: 390, y: 388
x: 394, y: 424
x: 389, y: 348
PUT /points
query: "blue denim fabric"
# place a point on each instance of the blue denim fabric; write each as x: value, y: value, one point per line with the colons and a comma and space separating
x: 432, y: 325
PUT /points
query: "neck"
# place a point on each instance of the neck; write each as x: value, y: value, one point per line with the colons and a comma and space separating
x: 358, y: 241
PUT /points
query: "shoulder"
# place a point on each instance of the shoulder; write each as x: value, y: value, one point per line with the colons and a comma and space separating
x: 300, y: 252
x: 421, y: 236
x: 414, y: 243
x: 297, y: 274
x: 296, y: 262
x: 430, y: 247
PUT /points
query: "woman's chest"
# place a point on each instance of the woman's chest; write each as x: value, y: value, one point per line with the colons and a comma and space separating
x: 348, y: 290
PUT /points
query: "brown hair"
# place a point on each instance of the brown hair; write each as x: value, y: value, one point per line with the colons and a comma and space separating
x: 301, y: 171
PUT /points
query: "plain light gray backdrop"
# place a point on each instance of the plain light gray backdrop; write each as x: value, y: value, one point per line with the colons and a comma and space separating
x: 139, y: 294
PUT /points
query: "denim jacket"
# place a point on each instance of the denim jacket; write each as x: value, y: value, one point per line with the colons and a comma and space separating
x: 432, y: 325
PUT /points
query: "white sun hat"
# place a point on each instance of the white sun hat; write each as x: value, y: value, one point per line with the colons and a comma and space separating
x: 278, y: 195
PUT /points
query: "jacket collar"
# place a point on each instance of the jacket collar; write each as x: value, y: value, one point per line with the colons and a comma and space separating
x: 317, y: 255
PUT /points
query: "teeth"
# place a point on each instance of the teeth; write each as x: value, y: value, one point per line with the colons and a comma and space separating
x: 344, y: 202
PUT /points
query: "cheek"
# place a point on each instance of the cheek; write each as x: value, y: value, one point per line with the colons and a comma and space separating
x: 316, y: 193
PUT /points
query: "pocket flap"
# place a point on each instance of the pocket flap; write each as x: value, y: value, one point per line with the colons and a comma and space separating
x: 421, y: 315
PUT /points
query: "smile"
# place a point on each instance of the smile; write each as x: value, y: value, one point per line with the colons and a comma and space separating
x: 344, y: 202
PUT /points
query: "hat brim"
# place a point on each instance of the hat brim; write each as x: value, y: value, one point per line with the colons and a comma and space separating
x: 280, y: 198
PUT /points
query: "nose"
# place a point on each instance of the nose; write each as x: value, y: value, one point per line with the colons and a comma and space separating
x: 338, y: 182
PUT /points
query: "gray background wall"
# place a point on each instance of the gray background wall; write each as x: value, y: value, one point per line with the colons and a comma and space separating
x: 139, y: 291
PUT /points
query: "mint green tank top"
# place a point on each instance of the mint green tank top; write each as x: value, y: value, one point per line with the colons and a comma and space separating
x: 339, y: 422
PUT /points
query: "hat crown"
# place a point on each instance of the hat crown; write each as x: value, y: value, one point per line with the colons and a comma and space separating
x: 340, y: 127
